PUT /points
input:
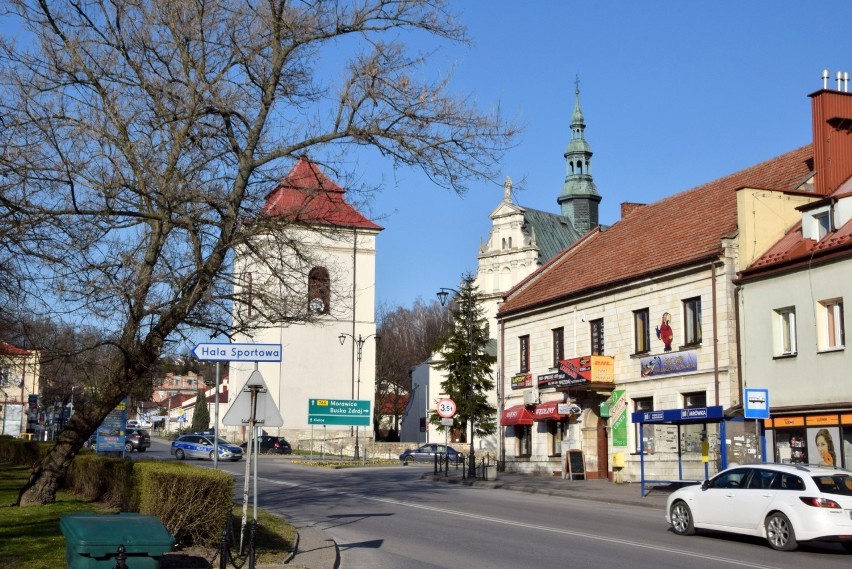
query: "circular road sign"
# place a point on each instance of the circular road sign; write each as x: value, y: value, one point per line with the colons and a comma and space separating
x: 446, y: 408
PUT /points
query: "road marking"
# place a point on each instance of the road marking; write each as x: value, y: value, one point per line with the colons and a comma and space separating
x: 502, y: 521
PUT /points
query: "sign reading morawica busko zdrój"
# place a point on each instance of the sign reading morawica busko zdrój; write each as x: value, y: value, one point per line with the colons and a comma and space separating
x: 349, y: 412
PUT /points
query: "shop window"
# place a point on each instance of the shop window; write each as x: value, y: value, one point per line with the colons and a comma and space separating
x: 558, y: 346
x: 784, y: 330
x: 641, y: 331
x: 692, y: 321
x: 319, y: 290
x: 646, y: 435
x: 830, y: 329
x: 524, y: 354
x: 555, y: 435
x: 596, y: 328
x: 790, y: 446
x: 524, y: 435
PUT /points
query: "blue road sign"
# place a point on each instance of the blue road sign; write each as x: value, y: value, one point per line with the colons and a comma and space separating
x: 238, y: 352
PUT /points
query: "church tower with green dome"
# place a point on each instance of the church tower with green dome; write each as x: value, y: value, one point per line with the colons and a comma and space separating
x: 579, y: 199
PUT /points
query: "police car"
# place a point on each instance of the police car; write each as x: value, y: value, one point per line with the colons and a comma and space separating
x: 201, y: 446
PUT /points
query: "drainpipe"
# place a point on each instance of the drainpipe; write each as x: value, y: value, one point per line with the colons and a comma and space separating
x: 501, y: 440
x: 715, y: 331
x: 737, y: 290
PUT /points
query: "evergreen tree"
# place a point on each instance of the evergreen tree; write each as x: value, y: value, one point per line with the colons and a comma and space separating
x: 468, y: 364
x: 201, y: 414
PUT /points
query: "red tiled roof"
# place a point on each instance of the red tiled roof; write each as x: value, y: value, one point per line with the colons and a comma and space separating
x: 675, y: 231
x: 794, y: 248
x: 307, y: 195
x: 10, y: 350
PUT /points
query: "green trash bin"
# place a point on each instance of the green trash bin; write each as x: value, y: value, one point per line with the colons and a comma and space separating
x: 92, y: 540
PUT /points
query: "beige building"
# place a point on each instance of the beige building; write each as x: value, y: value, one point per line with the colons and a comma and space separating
x: 637, y: 323
x: 19, y: 390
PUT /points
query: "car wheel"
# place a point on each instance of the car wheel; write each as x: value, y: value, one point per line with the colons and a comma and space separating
x: 179, y: 454
x: 210, y: 456
x: 128, y: 447
x: 779, y: 532
x: 681, y: 517
x: 405, y: 461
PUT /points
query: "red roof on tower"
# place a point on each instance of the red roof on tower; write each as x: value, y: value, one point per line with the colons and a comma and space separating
x: 307, y: 195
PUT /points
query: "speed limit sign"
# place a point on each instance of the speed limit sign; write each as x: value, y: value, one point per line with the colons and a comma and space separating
x: 446, y: 408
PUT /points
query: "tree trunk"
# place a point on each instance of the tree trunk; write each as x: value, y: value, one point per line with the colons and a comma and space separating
x: 48, y: 473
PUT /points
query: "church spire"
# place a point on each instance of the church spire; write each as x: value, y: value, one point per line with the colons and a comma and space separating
x: 579, y: 198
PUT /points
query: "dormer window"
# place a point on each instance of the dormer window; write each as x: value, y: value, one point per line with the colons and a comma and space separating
x: 817, y: 223
x: 823, y: 224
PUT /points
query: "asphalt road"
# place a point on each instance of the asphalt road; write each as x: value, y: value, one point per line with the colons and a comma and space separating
x: 383, y: 518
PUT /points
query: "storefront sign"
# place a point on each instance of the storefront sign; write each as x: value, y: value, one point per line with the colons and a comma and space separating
x: 697, y: 414
x: 618, y: 418
x: 522, y: 381
x: 575, y: 371
x: 666, y: 364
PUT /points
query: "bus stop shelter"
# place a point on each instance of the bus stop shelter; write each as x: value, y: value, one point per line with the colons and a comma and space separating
x: 689, y: 416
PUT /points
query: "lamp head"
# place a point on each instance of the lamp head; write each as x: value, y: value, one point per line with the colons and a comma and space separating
x: 342, y: 338
x: 442, y: 296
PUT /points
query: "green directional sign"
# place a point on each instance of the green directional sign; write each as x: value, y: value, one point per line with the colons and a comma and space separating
x: 348, y: 412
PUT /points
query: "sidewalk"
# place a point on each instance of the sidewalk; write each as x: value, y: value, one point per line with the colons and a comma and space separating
x: 317, y: 551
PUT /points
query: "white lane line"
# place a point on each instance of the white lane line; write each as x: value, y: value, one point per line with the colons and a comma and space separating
x: 502, y: 521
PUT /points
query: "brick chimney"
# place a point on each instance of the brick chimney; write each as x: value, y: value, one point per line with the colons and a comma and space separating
x: 832, y: 128
x: 629, y: 207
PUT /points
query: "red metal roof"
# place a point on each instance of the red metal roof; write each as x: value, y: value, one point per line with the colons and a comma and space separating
x: 793, y: 248
x: 307, y: 195
x: 10, y: 350
x: 673, y: 232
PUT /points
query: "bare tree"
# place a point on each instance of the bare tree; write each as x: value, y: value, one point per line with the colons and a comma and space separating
x: 408, y: 337
x: 139, y: 137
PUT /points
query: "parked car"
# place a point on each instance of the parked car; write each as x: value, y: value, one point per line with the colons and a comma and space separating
x: 783, y: 503
x: 136, y: 439
x: 201, y: 446
x: 427, y: 453
x: 270, y: 444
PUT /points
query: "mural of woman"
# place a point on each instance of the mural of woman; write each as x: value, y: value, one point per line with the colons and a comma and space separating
x: 825, y: 447
x: 664, y: 332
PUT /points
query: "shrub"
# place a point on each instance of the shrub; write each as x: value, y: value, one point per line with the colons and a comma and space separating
x: 108, y: 480
x: 192, y: 503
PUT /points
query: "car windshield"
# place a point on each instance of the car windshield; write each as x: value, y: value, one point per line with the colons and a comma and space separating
x: 835, y: 484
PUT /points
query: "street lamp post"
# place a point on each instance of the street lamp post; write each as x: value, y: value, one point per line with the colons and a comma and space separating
x: 359, y: 344
x: 443, y: 293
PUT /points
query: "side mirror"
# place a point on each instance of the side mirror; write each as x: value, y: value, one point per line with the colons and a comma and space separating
x: 705, y: 485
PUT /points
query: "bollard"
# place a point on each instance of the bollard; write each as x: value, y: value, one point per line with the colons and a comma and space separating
x: 120, y: 558
x: 223, y: 547
x: 252, y: 533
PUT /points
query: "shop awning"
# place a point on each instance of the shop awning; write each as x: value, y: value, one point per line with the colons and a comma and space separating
x: 548, y: 412
x: 517, y: 415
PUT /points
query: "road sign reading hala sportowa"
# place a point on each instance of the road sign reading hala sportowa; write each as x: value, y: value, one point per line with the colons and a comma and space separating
x: 237, y: 352
x: 348, y: 412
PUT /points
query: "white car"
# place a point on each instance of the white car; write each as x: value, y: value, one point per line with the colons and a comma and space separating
x: 784, y: 503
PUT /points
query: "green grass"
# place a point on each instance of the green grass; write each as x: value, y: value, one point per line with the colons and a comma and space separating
x: 30, y: 536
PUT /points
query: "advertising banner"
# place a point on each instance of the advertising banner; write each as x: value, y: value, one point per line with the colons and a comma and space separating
x: 577, y: 371
x: 669, y: 363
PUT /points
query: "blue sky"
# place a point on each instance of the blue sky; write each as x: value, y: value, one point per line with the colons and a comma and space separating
x: 675, y: 94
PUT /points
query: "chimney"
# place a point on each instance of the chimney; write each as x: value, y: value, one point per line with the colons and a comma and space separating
x: 629, y: 207
x: 832, y: 132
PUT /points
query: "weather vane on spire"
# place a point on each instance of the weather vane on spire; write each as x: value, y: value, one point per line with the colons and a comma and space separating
x: 577, y: 83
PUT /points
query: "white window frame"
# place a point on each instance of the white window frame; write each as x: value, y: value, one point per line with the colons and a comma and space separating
x: 785, y: 331
x: 830, y: 325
